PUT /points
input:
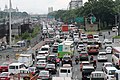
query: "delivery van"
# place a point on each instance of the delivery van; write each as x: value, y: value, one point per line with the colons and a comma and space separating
x: 14, y: 67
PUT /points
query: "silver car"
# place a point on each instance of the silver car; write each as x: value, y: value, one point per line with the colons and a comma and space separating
x: 44, y: 75
x: 41, y: 64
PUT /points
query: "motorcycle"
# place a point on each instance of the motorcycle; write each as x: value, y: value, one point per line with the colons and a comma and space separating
x: 76, y: 61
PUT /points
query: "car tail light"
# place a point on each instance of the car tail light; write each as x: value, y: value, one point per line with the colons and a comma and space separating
x: 80, y: 54
x: 48, y: 58
x: 47, y: 76
x: 39, y: 76
x: 119, y: 62
x: 45, y: 68
x: 86, y: 54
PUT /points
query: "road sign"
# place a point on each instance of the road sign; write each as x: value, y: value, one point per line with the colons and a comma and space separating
x: 79, y: 19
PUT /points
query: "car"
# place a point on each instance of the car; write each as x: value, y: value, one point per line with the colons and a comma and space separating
x: 44, y: 75
x: 66, y: 59
x: 52, y: 58
x: 83, y: 56
x: 41, y: 64
x: 51, y: 68
x: 90, y: 36
x: 100, y: 34
x: 4, y: 66
x: 83, y: 63
x: 114, y: 29
x: 85, y: 40
x: 55, y: 47
x: 102, y: 56
x: 81, y: 47
x: 4, y: 76
x: 107, y: 64
x: 108, y: 50
x: 96, y: 37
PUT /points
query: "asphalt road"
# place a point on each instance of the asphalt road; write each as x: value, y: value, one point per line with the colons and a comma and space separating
x: 76, y: 68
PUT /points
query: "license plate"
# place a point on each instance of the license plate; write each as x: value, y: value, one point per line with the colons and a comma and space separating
x: 3, y: 70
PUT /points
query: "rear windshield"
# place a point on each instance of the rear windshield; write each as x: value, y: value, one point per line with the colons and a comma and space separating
x: 44, y: 49
x: 112, y: 72
x: 63, y: 71
x: 11, y: 67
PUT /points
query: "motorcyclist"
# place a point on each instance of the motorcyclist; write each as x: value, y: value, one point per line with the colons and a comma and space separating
x: 94, y: 64
x: 76, y: 59
x: 91, y: 58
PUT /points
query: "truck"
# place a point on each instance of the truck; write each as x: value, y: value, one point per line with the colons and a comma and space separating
x: 66, y: 47
x: 26, y: 59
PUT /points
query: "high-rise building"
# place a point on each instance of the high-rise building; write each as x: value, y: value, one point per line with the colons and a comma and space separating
x: 50, y: 9
x: 75, y: 4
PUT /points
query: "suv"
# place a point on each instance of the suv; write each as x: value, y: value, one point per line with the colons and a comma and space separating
x: 67, y: 59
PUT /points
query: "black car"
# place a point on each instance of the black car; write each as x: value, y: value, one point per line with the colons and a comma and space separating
x: 67, y: 60
x: 83, y: 55
x: 52, y: 59
x: 51, y: 68
x: 55, y: 49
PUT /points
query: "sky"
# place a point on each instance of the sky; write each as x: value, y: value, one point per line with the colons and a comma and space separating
x: 36, y: 6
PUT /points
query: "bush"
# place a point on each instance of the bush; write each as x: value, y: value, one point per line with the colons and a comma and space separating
x: 116, y: 37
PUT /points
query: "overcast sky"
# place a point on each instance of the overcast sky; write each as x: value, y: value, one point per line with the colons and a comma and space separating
x: 36, y: 6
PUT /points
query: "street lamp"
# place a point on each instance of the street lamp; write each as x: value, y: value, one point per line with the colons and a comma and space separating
x: 10, y: 6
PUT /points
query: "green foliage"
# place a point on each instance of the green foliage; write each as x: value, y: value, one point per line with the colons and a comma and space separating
x: 116, y: 37
x: 28, y: 35
x: 103, y: 10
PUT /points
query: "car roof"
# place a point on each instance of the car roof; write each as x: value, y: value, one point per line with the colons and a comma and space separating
x: 44, y: 71
x: 52, y: 55
x: 16, y: 64
x: 107, y: 63
x: 97, y: 72
x: 85, y: 62
x: 111, y: 68
x: 88, y: 67
x: 102, y: 52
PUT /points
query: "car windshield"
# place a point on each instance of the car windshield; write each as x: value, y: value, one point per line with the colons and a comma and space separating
x: 41, y: 62
x: 3, y: 74
x: 95, y: 36
x: 44, y: 49
x: 108, y: 65
x: 4, y: 64
x: 50, y: 66
x: 66, y: 57
x: 31, y: 69
x: 63, y: 71
x: 43, y: 73
x: 112, y: 72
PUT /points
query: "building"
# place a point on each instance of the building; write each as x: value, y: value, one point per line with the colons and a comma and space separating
x: 12, y: 10
x: 75, y: 4
x: 50, y: 9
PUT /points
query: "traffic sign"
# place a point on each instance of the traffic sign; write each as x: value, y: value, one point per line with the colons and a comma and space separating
x: 79, y: 19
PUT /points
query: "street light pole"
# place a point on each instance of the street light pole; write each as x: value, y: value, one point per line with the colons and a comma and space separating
x: 10, y: 6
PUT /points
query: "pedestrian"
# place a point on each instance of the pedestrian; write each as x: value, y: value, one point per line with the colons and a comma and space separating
x: 104, y: 36
x: 109, y: 32
x: 113, y: 40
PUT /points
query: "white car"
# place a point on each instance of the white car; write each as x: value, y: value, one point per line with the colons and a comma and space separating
x: 107, y: 64
x: 96, y: 37
x: 102, y: 56
x: 114, y: 29
x: 41, y: 64
x: 108, y: 50
x: 81, y: 47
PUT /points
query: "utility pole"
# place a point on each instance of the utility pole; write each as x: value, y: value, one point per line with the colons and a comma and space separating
x: 119, y: 26
x: 10, y: 6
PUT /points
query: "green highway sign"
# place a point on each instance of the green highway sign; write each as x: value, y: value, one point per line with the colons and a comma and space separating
x: 79, y: 19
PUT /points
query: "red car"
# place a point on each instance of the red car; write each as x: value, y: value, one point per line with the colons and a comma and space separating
x: 90, y: 36
x: 4, y: 76
x: 4, y: 67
